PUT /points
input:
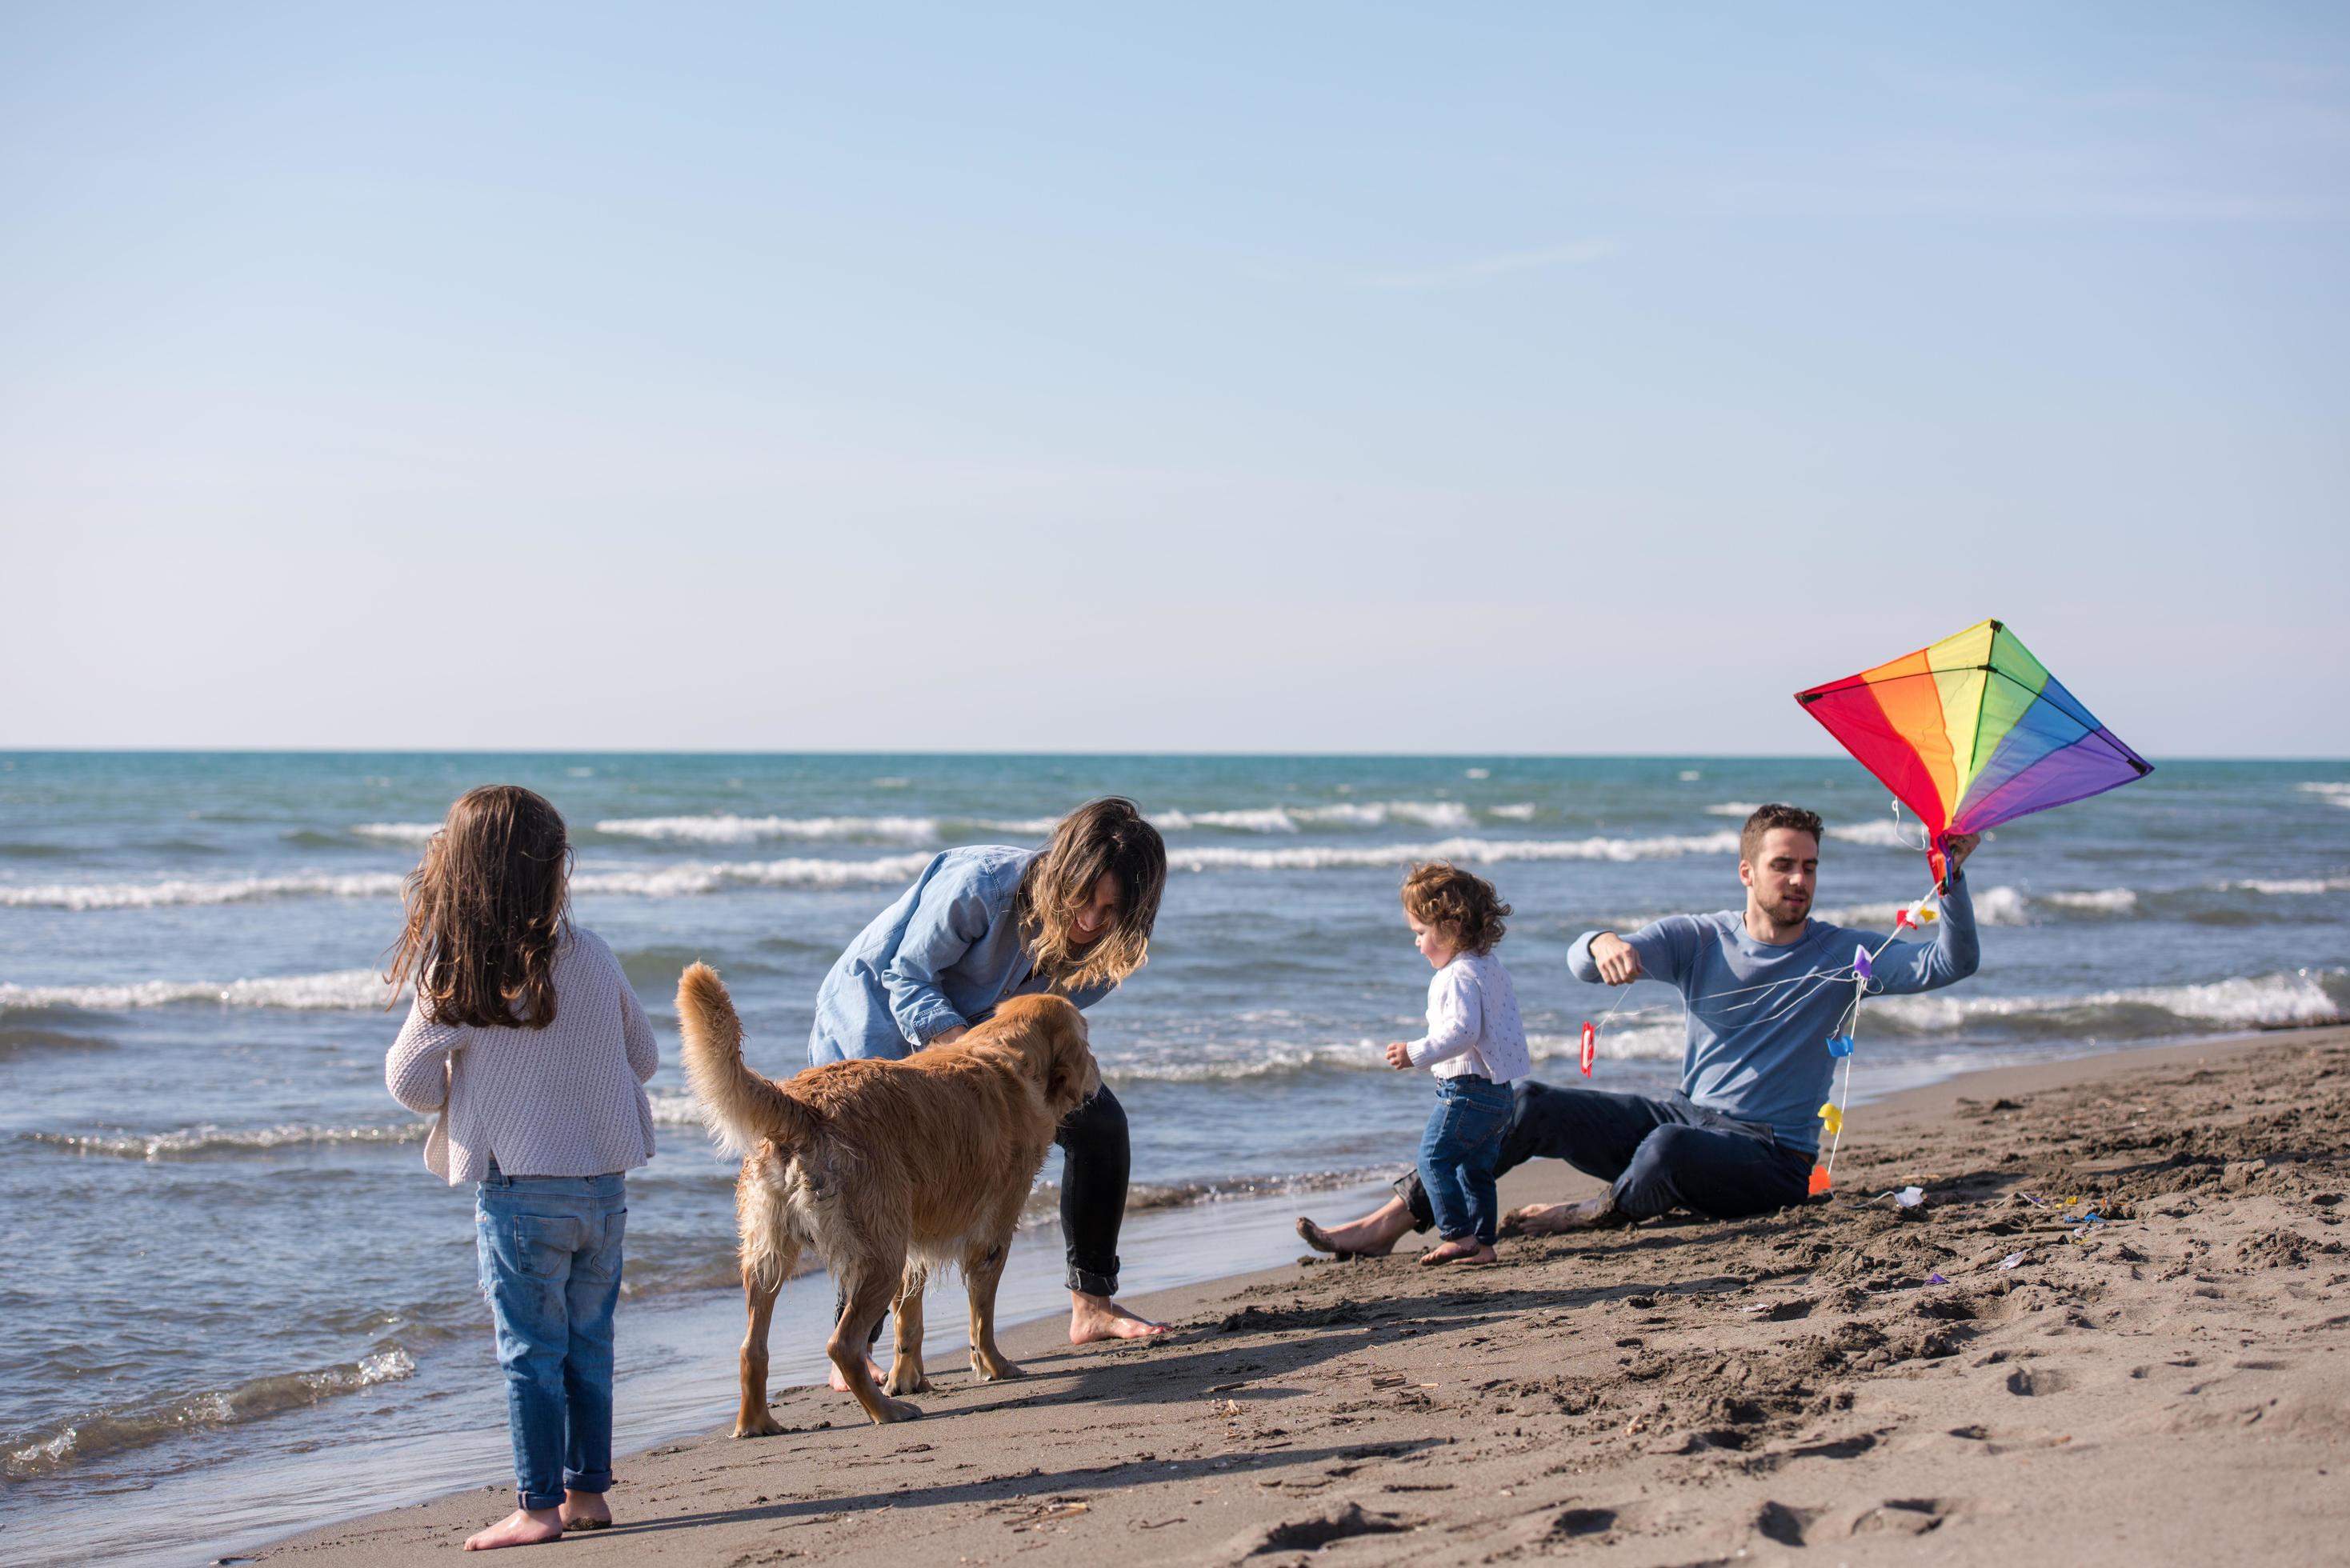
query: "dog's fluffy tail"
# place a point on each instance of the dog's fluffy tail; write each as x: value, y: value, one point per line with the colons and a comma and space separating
x: 740, y: 1106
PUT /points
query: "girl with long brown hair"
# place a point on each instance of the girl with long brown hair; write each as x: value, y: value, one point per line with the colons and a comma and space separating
x: 526, y: 1040
x: 989, y: 922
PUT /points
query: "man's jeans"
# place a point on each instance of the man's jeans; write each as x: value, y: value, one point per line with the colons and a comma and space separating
x: 550, y: 1257
x: 1660, y: 1155
x: 1456, y: 1155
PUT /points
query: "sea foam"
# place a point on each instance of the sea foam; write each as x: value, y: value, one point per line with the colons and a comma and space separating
x: 335, y: 990
x: 177, y: 893
x: 691, y: 878
x: 1878, y: 833
x: 1461, y: 851
x: 397, y: 832
x: 725, y: 829
x: 207, y: 1140
x: 2288, y: 886
x: 1998, y: 905
x: 108, y: 1431
x: 2297, y: 1000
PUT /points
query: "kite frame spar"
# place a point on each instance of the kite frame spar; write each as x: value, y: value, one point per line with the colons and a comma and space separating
x: 2028, y: 743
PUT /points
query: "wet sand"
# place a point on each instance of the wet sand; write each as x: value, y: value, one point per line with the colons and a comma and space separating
x: 2167, y: 1384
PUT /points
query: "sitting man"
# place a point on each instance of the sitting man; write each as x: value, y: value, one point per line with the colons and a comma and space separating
x: 1741, y: 1135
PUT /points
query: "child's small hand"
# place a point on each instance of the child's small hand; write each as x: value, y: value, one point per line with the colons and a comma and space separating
x: 1398, y: 1055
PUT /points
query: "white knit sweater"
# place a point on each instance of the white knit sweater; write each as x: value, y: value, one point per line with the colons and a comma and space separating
x: 565, y: 1100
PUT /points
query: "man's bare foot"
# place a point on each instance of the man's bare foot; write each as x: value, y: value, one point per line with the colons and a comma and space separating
x: 1094, y: 1318
x: 523, y: 1527
x: 584, y: 1510
x: 839, y: 1385
x: 1468, y: 1250
x: 1598, y: 1213
x: 1373, y: 1236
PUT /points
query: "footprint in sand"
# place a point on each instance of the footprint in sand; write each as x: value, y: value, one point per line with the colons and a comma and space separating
x: 2030, y: 1381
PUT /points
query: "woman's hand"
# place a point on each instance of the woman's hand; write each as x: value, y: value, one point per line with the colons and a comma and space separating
x: 947, y: 1036
x: 1398, y: 1055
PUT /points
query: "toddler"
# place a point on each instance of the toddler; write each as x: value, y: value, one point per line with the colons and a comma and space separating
x: 527, y: 1039
x: 1475, y: 1046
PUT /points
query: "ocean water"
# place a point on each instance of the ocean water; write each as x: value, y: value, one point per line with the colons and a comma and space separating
x: 231, y: 1290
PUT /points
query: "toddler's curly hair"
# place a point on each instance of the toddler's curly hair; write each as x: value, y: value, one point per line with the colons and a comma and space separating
x: 1439, y: 894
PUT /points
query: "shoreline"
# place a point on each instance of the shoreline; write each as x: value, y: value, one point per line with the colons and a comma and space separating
x: 675, y: 1473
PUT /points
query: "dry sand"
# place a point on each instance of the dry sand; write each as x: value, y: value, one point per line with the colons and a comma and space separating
x: 2169, y: 1385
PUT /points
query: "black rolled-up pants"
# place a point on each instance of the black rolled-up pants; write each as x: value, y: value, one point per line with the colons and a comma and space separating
x: 1657, y: 1154
x: 1095, y: 1160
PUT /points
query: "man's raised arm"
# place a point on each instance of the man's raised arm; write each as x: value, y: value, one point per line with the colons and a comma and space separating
x: 1954, y: 953
x: 1661, y: 949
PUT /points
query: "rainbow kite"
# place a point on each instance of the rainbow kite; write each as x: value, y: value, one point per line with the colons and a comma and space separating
x: 1971, y: 732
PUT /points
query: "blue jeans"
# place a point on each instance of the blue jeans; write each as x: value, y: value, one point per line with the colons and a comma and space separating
x: 1657, y: 1155
x: 550, y: 1256
x: 1458, y: 1153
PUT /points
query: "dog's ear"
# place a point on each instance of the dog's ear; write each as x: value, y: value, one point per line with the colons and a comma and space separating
x: 1072, y: 1077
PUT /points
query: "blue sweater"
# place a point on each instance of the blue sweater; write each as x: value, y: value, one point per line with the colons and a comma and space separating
x: 948, y: 952
x: 1776, y: 1071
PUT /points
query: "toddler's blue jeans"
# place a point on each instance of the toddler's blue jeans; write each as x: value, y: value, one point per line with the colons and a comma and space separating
x: 1458, y: 1153
x: 550, y: 1256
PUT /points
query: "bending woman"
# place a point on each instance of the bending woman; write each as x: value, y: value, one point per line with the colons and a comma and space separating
x: 989, y: 922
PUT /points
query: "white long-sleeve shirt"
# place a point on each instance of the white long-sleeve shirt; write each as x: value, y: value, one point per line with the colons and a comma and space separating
x: 565, y: 1100
x: 1472, y: 1022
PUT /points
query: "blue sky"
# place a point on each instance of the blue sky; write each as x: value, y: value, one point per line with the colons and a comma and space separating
x: 1311, y: 378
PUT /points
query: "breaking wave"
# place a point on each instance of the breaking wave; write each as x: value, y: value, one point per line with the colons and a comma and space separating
x: 700, y: 877
x: 2004, y: 906
x: 337, y: 991
x: 395, y: 832
x: 732, y: 829
x: 113, y: 1431
x: 208, y: 1141
x: 2332, y: 793
x: 2288, y: 886
x: 1878, y: 833
x: 165, y: 894
x: 1438, y: 814
x: 1653, y: 1035
x: 1469, y: 851
x: 2299, y: 1000
x: 724, y: 829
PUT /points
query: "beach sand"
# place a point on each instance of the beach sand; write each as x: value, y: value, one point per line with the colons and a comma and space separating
x: 2168, y: 1386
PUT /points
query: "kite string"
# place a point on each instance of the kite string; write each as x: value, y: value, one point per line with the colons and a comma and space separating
x: 1848, y: 1025
x: 1835, y: 1139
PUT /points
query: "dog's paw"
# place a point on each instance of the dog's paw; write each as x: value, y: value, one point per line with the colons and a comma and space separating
x: 997, y: 1373
x: 763, y: 1425
x: 906, y: 1383
x: 887, y: 1410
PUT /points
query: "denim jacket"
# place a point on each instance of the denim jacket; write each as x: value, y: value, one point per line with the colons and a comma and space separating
x: 947, y: 953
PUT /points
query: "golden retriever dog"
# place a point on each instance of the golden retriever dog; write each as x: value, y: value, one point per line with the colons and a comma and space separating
x: 886, y: 1169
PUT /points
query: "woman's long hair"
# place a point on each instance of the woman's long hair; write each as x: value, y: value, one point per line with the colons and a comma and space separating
x: 1106, y: 835
x: 488, y: 907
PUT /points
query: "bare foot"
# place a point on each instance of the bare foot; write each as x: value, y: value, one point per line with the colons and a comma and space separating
x: 1098, y: 1317
x: 1556, y: 1219
x: 839, y: 1384
x: 584, y: 1510
x: 1468, y: 1250
x: 1373, y: 1236
x: 523, y: 1527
